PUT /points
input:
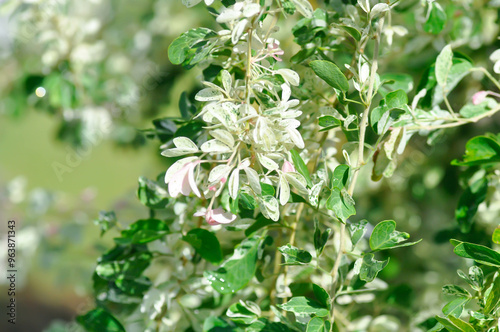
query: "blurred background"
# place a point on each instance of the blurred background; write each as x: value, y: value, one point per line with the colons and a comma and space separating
x: 80, y: 80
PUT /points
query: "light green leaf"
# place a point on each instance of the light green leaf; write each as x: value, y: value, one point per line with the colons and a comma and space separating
x: 301, y: 167
x: 340, y: 205
x: 436, y: 18
x: 455, y: 307
x: 370, y: 267
x: 493, y: 299
x: 444, y: 61
x: 480, y: 150
x: 331, y: 74
x: 237, y: 271
x: 303, y: 305
x: 455, y: 290
x: 183, y: 45
x: 357, y: 231
x: 320, y: 238
x: 316, y: 324
x: 205, y: 243
x: 294, y: 255
x: 385, y: 236
x: 496, y: 235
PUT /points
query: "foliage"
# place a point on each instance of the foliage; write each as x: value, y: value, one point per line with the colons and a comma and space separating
x: 258, y: 224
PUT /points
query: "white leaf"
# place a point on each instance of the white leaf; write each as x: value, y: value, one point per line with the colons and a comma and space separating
x: 185, y: 143
x: 251, y: 9
x: 268, y: 163
x: 271, y: 207
x: 190, y: 3
x: 304, y: 7
x: 444, y: 61
x: 286, y: 93
x: 238, y: 31
x: 227, y: 80
x: 208, y: 94
x: 379, y: 8
x: 224, y: 136
x: 297, y: 181
x: 175, y: 152
x: 234, y: 183
x: 228, y: 15
x: 290, y: 76
x: 253, y: 180
x: 244, y: 163
x: 219, y: 172
x: 284, y: 190
x: 295, y: 137
x: 215, y: 146
x: 176, y: 167
x: 314, y: 193
x: 365, y: 5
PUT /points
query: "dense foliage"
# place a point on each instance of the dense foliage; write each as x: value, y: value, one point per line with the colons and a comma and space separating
x: 310, y: 117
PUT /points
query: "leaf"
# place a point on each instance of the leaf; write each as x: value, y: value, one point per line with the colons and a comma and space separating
x: 304, y: 7
x: 496, y: 235
x: 320, y: 238
x: 455, y: 307
x: 316, y: 324
x: 331, y: 74
x: 322, y: 296
x: 396, y: 99
x: 294, y: 255
x: 340, y: 177
x: 144, y: 231
x: 436, y: 18
x: 493, y: 299
x: 342, y: 207
x: 393, y: 82
x: 453, y: 324
x: 480, y: 150
x: 304, y: 305
x: 479, y: 253
x: 237, y: 271
x: 216, y: 324
x: 385, y: 236
x: 260, y: 223
x: 370, y: 267
x: 455, y: 290
x: 180, y: 48
x: 267, y: 189
x: 205, y: 243
x: 152, y: 194
x: 329, y: 122
x: 100, y: 320
x: 357, y: 230
x: 444, y: 61
x: 106, y: 221
x: 469, y: 202
x: 301, y: 167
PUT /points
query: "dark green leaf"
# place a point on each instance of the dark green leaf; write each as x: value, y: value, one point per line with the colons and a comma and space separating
x: 340, y: 177
x: 144, y: 231
x: 216, y: 324
x: 479, y: 253
x: 238, y: 270
x: 322, y: 296
x: 267, y: 189
x: 98, y: 320
x: 469, y: 202
x: 331, y: 74
x: 261, y: 222
x: 205, y: 243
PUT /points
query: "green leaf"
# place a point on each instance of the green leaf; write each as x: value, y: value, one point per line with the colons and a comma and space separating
x: 496, y: 235
x: 444, y: 61
x: 129, y: 266
x: 455, y: 290
x: 143, y: 231
x: 316, y: 324
x: 322, y: 296
x: 480, y: 150
x: 341, y: 205
x: 205, y: 243
x: 340, y: 177
x: 436, y: 18
x: 352, y: 31
x: 261, y: 222
x: 294, y: 255
x: 331, y: 74
x: 106, y: 221
x: 237, y: 271
x: 370, y: 267
x: 393, y: 82
x: 267, y: 189
x: 151, y: 194
x: 183, y: 47
x: 470, y: 110
x: 469, y: 202
x: 134, y: 287
x: 98, y: 320
x: 216, y: 324
x: 357, y: 230
x: 385, y: 236
x: 396, y: 99
x: 479, y: 253
x: 493, y: 299
x: 320, y: 238
x: 329, y: 122
x: 240, y: 313
x: 301, y: 167
x: 304, y: 305
x: 455, y: 307
x: 454, y: 324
